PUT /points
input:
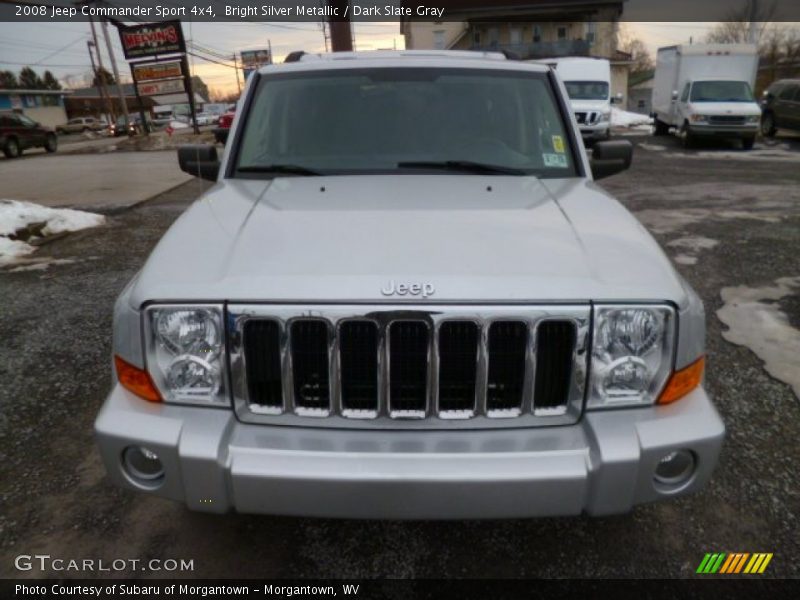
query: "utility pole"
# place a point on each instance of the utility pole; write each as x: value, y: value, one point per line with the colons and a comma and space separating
x: 101, y: 80
x: 116, y: 76
x: 236, y: 64
x: 100, y: 86
x: 752, y: 32
x: 341, y: 35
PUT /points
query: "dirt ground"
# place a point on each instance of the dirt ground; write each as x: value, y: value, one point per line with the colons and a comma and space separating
x: 55, y: 371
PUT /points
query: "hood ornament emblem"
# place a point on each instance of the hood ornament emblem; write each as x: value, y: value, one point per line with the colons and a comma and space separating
x: 422, y: 289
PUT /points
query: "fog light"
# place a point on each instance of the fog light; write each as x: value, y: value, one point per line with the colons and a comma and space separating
x: 143, y: 466
x: 675, y: 468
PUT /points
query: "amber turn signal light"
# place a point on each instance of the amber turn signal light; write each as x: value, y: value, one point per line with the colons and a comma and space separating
x: 682, y: 382
x: 136, y: 380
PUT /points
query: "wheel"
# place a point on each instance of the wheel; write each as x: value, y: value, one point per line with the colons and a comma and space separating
x: 12, y: 149
x: 747, y: 143
x: 660, y: 128
x: 86, y: 130
x: 51, y: 144
x: 687, y: 140
x: 768, y: 128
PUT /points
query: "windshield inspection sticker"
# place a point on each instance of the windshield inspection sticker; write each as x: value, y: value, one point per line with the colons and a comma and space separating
x: 554, y: 160
x: 558, y: 144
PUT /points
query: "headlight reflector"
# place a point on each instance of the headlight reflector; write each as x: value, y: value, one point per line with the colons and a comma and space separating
x: 185, y: 353
x: 632, y: 354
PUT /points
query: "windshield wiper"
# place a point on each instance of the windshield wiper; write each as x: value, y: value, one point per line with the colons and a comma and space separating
x: 467, y: 166
x: 279, y: 169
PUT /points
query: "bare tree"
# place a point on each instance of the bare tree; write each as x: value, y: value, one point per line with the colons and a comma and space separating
x: 640, y: 55
x: 736, y: 30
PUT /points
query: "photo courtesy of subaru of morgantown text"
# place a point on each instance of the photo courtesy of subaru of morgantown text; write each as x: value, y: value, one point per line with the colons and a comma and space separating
x: 508, y: 292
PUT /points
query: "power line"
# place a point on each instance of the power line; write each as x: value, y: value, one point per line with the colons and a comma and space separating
x: 54, y: 52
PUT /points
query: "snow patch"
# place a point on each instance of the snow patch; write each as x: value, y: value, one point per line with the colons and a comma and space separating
x: 16, y: 216
x: 623, y: 118
x: 668, y: 221
x: 693, y: 244
x: 763, y: 328
x: 685, y: 259
x: 40, y: 264
x: 652, y: 147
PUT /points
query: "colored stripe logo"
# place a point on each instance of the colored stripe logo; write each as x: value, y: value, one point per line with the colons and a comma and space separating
x: 734, y: 563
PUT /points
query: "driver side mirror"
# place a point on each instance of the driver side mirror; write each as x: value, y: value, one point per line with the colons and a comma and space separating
x: 610, y: 158
x: 199, y: 160
x: 617, y: 99
x: 674, y: 94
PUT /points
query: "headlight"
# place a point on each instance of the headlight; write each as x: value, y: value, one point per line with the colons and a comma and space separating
x: 185, y: 353
x: 698, y: 118
x: 632, y: 354
x: 754, y: 119
x: 605, y: 115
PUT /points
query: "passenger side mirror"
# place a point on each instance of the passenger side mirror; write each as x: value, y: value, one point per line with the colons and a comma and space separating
x: 610, y: 158
x: 674, y: 94
x: 199, y: 160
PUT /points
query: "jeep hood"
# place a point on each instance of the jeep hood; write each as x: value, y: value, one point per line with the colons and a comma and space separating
x: 342, y: 239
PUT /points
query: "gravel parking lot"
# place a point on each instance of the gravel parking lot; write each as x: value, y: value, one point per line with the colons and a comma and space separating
x: 729, y: 219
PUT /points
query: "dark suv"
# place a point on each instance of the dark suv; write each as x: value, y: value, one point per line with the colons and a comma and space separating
x: 18, y: 132
x: 781, y: 107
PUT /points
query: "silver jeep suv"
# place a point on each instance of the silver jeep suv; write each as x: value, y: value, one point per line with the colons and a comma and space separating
x: 405, y: 297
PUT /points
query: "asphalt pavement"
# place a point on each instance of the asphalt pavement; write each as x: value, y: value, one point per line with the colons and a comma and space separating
x: 55, y: 371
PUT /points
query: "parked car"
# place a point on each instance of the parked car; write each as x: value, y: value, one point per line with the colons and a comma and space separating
x: 204, y: 119
x: 19, y: 132
x: 135, y: 126
x: 705, y: 90
x: 781, y: 107
x: 163, y: 119
x: 82, y: 125
x: 588, y: 83
x: 224, y: 125
x: 408, y: 299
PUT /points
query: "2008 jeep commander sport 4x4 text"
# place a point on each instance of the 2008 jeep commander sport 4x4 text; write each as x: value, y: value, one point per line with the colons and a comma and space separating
x: 405, y: 297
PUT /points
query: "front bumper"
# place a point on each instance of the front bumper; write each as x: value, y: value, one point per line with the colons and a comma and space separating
x: 598, y: 131
x: 602, y: 465
x: 732, y: 131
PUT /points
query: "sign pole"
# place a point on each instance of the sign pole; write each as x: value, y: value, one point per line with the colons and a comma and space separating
x: 187, y: 80
x: 145, y: 127
x: 122, y: 98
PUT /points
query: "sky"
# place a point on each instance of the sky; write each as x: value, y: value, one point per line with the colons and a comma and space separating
x: 61, y: 47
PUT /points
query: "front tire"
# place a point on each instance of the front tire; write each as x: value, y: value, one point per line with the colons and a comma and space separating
x: 768, y: 128
x: 747, y: 143
x: 12, y: 149
x: 51, y: 144
x: 687, y: 139
x: 660, y: 128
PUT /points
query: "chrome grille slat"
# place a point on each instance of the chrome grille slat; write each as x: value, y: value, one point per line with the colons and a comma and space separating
x: 511, y: 400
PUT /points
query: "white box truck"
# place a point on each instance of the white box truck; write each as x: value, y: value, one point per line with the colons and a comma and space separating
x: 588, y: 83
x: 707, y: 90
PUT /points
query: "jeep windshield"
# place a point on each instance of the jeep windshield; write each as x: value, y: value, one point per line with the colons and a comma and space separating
x: 721, y: 91
x: 405, y: 120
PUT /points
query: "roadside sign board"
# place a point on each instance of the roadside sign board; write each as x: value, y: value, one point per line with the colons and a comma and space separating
x: 151, y: 39
x: 156, y: 88
x: 151, y: 71
x: 254, y: 59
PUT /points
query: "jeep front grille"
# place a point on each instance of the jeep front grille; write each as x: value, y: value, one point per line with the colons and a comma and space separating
x: 411, y: 367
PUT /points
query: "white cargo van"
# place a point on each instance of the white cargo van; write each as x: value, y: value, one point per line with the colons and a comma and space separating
x: 588, y: 83
x: 707, y: 90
